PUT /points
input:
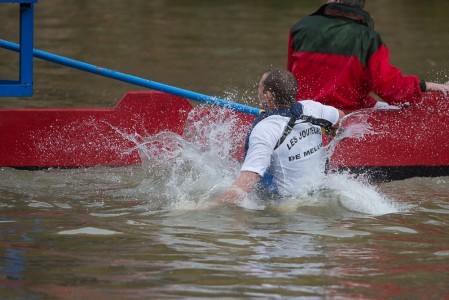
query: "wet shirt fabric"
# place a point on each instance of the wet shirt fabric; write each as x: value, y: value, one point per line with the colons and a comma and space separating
x: 300, y: 160
x: 339, y: 59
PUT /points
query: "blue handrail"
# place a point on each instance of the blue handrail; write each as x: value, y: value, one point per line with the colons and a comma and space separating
x: 134, y: 79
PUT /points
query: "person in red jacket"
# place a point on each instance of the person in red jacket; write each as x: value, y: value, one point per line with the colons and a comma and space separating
x: 339, y: 60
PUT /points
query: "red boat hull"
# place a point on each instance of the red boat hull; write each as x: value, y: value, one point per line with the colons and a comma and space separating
x: 409, y: 142
x: 42, y: 138
x: 406, y: 143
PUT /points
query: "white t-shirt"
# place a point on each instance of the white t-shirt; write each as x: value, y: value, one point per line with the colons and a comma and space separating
x: 299, y: 160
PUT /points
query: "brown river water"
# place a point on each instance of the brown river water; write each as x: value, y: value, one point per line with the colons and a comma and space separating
x: 141, y: 232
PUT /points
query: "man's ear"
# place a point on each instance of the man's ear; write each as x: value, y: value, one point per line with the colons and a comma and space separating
x: 270, y: 100
x: 269, y: 95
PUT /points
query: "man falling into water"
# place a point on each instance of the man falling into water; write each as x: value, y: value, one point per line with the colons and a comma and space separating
x: 285, y: 141
x: 339, y: 60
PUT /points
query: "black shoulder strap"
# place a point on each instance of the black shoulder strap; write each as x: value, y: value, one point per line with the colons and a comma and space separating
x: 326, y: 125
x: 287, y: 130
x: 279, y: 111
x: 296, y: 110
x: 295, y: 113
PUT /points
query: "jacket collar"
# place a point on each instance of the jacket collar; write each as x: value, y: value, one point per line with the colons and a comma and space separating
x: 295, y: 109
x: 345, y: 11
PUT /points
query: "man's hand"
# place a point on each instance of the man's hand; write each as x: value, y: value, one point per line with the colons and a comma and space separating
x: 241, y: 187
x: 438, y: 87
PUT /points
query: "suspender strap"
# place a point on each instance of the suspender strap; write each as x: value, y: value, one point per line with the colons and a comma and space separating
x: 288, y: 128
x: 279, y: 111
x: 295, y: 113
x: 323, y: 123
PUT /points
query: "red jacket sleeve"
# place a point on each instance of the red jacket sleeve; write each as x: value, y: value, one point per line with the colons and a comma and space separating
x: 388, y: 82
x: 290, y: 54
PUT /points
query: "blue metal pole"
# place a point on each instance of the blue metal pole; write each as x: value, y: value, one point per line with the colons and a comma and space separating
x: 133, y: 79
x: 26, y: 47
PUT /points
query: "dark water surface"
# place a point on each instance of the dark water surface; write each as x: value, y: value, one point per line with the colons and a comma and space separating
x: 141, y: 232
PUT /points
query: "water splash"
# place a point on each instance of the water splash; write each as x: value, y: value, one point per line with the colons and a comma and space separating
x: 190, y: 170
x: 340, y: 194
x: 356, y: 193
x: 359, y: 195
x: 357, y: 128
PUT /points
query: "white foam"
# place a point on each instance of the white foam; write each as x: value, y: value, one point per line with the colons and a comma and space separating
x: 40, y: 204
x: 339, y: 233
x: 234, y: 242
x: 89, y: 231
x: 436, y: 211
x: 63, y: 205
x: 358, y: 195
x: 400, y: 229
x: 442, y: 253
x: 102, y: 215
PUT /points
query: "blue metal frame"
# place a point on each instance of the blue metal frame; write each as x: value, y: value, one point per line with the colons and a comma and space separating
x: 24, y: 86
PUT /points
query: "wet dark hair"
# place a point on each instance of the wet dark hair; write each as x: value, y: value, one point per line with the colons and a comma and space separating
x: 355, y: 3
x: 282, y: 84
